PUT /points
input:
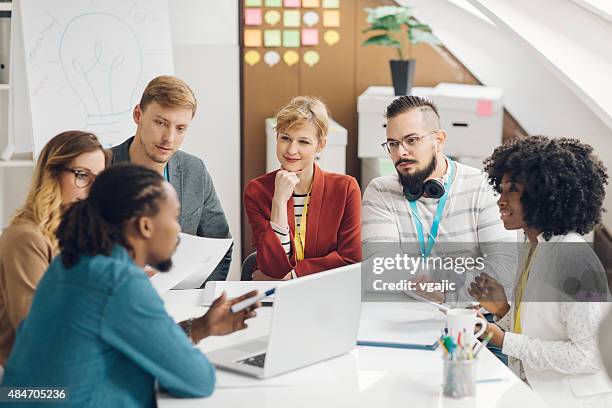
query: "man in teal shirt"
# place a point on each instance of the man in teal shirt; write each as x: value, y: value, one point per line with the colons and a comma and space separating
x: 97, y: 328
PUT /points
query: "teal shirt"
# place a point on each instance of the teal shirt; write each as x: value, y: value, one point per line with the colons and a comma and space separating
x: 101, y: 330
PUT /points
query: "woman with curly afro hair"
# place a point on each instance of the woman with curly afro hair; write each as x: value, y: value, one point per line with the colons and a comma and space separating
x: 552, y: 189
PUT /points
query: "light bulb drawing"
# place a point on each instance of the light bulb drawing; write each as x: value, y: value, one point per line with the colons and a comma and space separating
x: 102, y: 60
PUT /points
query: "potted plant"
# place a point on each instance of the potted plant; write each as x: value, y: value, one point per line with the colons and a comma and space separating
x: 397, y: 28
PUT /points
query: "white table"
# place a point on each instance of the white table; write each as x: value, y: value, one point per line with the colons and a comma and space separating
x: 367, y: 377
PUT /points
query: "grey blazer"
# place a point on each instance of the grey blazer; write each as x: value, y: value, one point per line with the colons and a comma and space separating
x: 201, y: 212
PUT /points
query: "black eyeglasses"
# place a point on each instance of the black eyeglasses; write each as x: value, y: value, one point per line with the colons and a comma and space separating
x: 82, y: 178
x: 408, y: 142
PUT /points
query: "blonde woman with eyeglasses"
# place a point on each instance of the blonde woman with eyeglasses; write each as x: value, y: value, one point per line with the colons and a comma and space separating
x: 65, y: 170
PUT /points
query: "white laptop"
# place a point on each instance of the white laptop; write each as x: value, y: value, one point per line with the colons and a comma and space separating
x: 314, y: 318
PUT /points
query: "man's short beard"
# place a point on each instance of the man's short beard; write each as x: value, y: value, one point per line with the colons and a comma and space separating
x: 163, y: 266
x: 414, y: 182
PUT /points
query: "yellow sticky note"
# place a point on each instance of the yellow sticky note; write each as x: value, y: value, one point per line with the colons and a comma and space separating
x: 331, y: 3
x: 272, y: 17
x: 310, y: 3
x: 291, y: 57
x: 252, y: 57
x: 272, y: 38
x: 291, y: 38
x: 252, y: 3
x: 311, y: 58
x: 331, y: 37
x: 252, y: 38
x: 331, y: 18
x: 291, y: 18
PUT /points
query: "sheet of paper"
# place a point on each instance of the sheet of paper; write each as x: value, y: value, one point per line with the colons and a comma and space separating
x: 252, y: 3
x: 407, y: 323
x: 274, y: 3
x: 193, y: 262
x: 292, y: 3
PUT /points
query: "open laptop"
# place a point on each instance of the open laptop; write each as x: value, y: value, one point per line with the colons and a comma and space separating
x: 314, y: 318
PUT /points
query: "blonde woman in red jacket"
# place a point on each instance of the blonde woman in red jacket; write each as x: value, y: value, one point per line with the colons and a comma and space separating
x: 304, y: 220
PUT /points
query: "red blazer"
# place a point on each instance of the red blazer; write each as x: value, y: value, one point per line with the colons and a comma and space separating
x: 333, y: 225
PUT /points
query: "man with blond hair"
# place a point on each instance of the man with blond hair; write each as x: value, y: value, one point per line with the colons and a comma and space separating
x: 162, y: 117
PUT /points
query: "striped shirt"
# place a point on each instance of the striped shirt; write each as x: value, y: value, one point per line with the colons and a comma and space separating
x: 470, y: 221
x: 283, y: 233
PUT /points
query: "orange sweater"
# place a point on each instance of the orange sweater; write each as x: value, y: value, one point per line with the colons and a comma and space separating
x: 333, y: 225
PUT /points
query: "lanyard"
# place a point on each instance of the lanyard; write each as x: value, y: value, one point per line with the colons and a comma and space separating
x: 300, y: 233
x: 426, y: 248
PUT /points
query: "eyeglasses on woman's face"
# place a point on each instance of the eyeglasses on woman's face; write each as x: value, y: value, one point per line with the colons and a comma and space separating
x: 82, y: 178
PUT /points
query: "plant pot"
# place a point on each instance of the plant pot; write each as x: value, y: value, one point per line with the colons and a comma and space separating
x: 402, y: 74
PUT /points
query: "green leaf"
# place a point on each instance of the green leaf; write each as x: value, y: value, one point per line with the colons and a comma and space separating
x: 420, y: 36
x: 383, y: 40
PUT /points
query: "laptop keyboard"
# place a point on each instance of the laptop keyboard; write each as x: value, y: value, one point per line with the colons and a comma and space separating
x: 257, y: 361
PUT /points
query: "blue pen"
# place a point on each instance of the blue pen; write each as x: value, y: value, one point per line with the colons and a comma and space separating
x: 240, y: 306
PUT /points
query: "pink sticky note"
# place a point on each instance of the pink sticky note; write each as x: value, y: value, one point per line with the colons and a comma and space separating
x: 292, y: 3
x: 252, y: 16
x: 310, y: 36
x: 484, y: 107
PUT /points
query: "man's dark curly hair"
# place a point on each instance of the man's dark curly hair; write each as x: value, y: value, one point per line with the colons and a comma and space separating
x: 564, y: 183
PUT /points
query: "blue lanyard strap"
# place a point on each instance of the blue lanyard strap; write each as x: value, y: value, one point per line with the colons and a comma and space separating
x: 426, y: 248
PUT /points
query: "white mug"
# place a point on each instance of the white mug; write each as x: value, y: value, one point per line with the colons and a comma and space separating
x: 464, y: 321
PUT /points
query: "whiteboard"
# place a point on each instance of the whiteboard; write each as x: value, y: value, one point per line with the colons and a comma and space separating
x: 86, y: 65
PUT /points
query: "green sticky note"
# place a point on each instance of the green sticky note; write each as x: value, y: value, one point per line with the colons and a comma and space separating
x: 252, y: 3
x: 274, y: 3
x: 291, y: 18
x: 291, y: 38
x: 331, y: 3
x: 272, y: 38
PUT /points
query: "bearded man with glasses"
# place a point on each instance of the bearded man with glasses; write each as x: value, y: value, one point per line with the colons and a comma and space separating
x: 434, y: 207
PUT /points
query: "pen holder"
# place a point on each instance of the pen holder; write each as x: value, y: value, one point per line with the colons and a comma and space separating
x: 459, y: 378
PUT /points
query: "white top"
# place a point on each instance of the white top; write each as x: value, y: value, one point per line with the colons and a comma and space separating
x: 470, y: 223
x: 557, y: 352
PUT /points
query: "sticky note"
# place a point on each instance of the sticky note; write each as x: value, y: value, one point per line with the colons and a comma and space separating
x: 331, y: 18
x: 292, y: 3
x: 291, y: 18
x: 252, y: 16
x: 310, y: 36
x: 272, y: 17
x: 274, y: 3
x: 272, y: 58
x: 272, y: 38
x: 310, y: 3
x: 252, y: 3
x: 331, y: 3
x: 310, y: 18
x: 484, y: 107
x: 311, y: 58
x: 252, y: 57
x: 291, y: 38
x: 291, y: 57
x: 252, y: 38
x: 331, y: 37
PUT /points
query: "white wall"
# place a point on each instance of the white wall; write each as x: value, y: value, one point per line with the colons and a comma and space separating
x: 206, y: 56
